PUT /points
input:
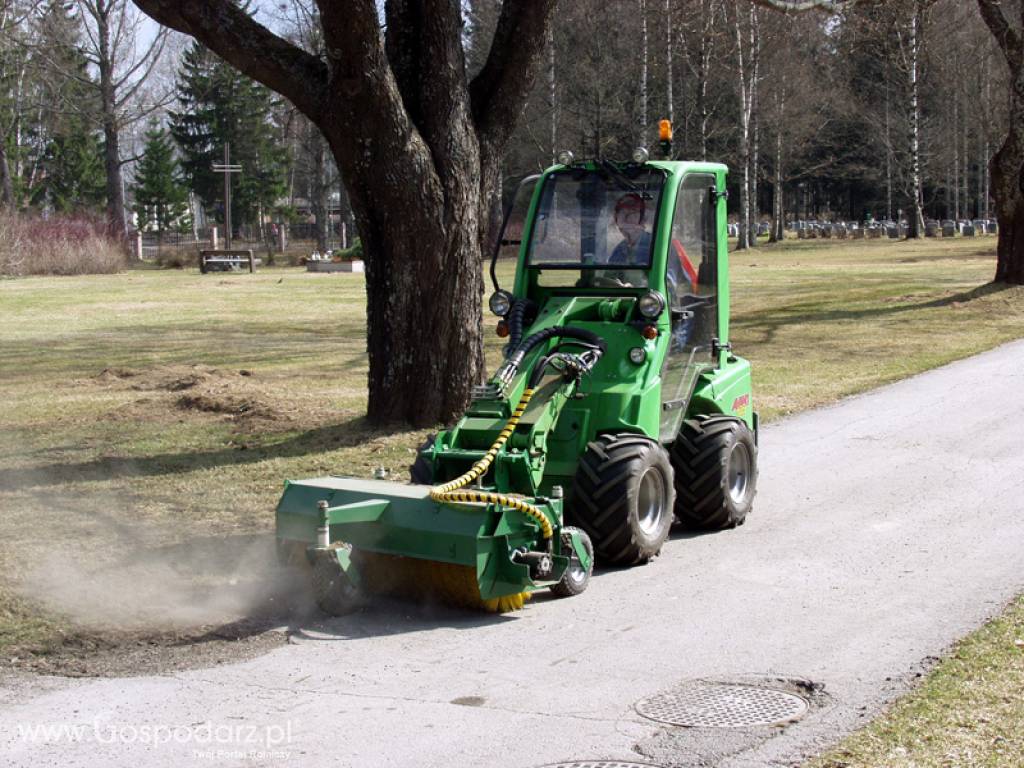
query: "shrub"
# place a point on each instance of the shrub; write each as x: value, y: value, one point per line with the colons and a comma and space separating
x: 57, y: 245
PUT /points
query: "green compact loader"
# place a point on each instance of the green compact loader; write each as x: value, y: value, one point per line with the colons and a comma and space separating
x: 619, y: 407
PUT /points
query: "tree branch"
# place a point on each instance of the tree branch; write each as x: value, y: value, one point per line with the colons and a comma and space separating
x: 500, y: 90
x: 237, y: 38
x: 806, y: 5
x: 1008, y: 38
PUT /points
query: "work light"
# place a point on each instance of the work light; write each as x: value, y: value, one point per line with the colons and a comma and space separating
x: 651, y: 304
x: 500, y: 303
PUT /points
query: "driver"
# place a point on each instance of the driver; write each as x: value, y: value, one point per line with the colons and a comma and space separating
x: 635, y: 247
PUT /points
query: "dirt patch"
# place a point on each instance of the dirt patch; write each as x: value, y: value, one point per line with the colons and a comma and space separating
x: 115, y: 653
x: 240, y: 396
x: 150, y: 610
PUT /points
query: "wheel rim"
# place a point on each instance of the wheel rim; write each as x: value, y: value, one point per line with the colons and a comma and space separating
x: 739, y: 473
x: 651, y: 501
x: 576, y: 573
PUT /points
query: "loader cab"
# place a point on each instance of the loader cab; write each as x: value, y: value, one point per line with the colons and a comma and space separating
x: 601, y: 229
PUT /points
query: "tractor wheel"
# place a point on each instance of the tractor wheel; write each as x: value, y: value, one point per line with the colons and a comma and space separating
x: 576, y: 578
x: 334, y: 593
x: 715, y: 460
x: 422, y: 471
x: 623, y: 497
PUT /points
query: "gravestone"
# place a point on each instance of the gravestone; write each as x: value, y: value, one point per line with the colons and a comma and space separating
x: 948, y: 229
x: 931, y: 228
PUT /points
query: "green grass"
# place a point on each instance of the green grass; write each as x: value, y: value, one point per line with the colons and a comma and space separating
x: 968, y: 712
x: 154, y: 409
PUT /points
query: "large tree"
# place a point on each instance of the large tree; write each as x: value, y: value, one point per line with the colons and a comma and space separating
x: 1007, y: 166
x: 419, y: 145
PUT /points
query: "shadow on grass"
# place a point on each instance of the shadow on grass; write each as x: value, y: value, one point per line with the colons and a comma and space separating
x: 319, y: 440
x: 770, y: 323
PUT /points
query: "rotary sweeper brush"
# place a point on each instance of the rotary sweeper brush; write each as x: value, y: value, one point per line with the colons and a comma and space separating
x: 619, y: 406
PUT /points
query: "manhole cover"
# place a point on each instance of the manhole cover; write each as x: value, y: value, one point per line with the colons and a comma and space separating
x: 598, y: 764
x: 722, y: 705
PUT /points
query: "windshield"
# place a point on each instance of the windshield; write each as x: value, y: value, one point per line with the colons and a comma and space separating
x: 596, y: 220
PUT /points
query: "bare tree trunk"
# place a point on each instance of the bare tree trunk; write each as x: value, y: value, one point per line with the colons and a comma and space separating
x: 642, y: 132
x: 746, y: 61
x: 956, y: 156
x: 967, y: 168
x: 755, y: 202
x: 670, y: 108
x: 888, y: 155
x: 917, y: 220
x: 321, y: 191
x: 552, y: 93
x: 6, y: 185
x: 778, y: 202
x: 108, y: 110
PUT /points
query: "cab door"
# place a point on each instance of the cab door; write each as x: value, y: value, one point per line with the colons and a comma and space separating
x: 691, y: 282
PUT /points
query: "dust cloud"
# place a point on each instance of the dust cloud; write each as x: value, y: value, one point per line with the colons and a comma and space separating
x: 189, y: 584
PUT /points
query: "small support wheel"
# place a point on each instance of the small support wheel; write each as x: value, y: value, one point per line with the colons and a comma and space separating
x: 422, y: 470
x: 715, y: 460
x: 576, y: 578
x: 623, y: 497
x: 333, y: 591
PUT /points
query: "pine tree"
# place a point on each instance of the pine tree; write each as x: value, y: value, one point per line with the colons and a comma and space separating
x: 73, y: 175
x: 161, y: 201
x: 218, y: 105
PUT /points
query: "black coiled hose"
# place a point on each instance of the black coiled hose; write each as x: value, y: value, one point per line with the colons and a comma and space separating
x: 516, y: 319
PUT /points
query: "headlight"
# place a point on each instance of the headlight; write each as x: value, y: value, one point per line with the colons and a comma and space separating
x: 500, y: 303
x: 641, y: 155
x: 651, y: 304
x: 637, y: 355
x: 565, y: 157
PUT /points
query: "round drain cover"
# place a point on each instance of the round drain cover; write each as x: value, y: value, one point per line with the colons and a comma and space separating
x: 598, y: 764
x: 722, y: 705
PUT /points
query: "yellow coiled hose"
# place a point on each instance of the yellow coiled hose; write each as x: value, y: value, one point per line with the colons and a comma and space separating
x: 449, y: 492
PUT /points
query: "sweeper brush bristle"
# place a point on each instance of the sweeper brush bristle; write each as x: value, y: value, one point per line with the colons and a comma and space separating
x: 430, y: 581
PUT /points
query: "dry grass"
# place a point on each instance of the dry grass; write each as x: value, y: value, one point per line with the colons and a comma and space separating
x: 60, y: 245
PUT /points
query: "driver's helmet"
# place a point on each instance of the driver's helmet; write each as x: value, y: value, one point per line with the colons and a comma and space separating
x: 630, y: 202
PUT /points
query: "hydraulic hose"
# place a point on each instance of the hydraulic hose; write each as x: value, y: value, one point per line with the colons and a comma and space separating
x: 516, y: 318
x: 449, y: 492
x: 508, y: 371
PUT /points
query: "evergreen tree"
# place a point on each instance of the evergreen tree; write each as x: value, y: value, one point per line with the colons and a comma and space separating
x: 219, y: 105
x: 73, y: 164
x: 161, y: 201
x: 73, y: 175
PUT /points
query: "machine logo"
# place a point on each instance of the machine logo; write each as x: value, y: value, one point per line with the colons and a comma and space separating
x: 739, y: 405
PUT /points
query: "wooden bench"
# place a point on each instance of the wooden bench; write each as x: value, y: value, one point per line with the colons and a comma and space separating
x: 224, y: 260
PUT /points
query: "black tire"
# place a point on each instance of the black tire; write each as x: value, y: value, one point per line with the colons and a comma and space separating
x: 576, y: 578
x: 334, y: 593
x: 623, y: 497
x: 715, y: 461
x: 422, y: 470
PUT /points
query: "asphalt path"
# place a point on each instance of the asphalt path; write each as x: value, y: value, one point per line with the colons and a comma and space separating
x: 885, y: 527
